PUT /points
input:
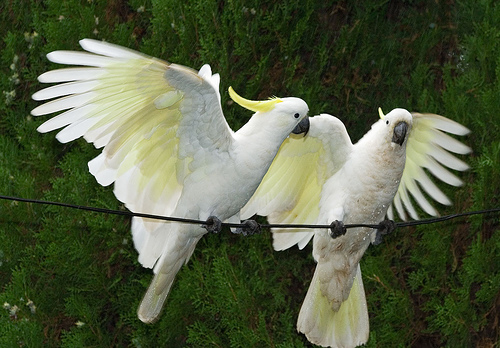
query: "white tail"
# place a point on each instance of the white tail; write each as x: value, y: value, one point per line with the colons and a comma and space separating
x: 347, y: 327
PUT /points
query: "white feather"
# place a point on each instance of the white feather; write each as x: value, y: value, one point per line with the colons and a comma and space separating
x: 64, y: 103
x: 421, y: 200
x: 79, y: 58
x: 68, y: 117
x: 441, y: 173
x: 431, y: 188
x: 442, y: 123
x: 76, y: 130
x: 65, y: 89
x: 447, y: 159
x: 71, y: 74
x: 450, y: 144
x: 110, y: 50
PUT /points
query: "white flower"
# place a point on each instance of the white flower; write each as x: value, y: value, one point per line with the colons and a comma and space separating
x: 31, y: 306
x: 13, y: 310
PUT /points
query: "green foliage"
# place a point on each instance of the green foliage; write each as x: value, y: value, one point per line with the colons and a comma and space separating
x: 71, y: 279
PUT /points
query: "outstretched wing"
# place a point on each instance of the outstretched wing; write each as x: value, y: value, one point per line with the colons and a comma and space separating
x: 291, y: 190
x: 430, y: 148
x: 152, y: 118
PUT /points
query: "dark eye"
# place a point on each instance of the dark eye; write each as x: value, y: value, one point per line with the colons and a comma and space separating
x: 387, y: 122
x: 296, y: 115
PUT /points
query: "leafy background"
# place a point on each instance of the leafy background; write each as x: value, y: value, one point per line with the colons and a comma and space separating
x: 71, y: 279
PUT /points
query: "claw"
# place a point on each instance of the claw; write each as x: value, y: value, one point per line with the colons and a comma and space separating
x: 251, y: 227
x: 213, y: 224
x: 337, y: 229
x: 384, y: 227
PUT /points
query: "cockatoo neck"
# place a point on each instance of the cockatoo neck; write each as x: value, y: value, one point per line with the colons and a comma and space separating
x: 258, y: 141
x: 378, y: 151
x: 264, y: 128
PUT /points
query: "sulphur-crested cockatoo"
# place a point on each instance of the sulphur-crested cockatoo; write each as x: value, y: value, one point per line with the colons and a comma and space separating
x: 324, y: 177
x: 166, y: 146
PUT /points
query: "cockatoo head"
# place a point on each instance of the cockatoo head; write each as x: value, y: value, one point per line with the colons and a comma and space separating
x: 396, y: 124
x: 288, y: 113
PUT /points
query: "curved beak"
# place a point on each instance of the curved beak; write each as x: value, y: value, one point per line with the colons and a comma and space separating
x: 399, y: 133
x: 302, y: 127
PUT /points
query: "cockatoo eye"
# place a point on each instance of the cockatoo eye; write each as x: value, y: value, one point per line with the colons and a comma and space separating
x: 297, y: 115
x: 387, y: 122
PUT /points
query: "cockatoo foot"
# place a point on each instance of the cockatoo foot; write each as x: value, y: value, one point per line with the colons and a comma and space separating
x: 213, y: 224
x: 385, y: 227
x: 251, y: 227
x: 337, y: 229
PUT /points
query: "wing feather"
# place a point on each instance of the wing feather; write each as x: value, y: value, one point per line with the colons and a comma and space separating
x: 429, y: 148
x: 70, y: 74
x: 65, y: 89
x: 290, y: 192
x: 149, y: 116
x: 80, y: 58
x: 64, y: 103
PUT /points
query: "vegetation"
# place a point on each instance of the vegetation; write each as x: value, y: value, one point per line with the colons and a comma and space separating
x: 70, y: 278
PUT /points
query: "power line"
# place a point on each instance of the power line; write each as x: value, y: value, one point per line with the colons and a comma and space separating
x: 251, y: 226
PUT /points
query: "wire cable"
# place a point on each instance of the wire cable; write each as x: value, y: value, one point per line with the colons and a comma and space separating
x: 103, y: 210
x: 246, y: 226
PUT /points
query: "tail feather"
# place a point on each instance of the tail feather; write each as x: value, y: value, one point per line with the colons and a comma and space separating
x: 151, y: 305
x: 347, y: 327
x: 168, y: 265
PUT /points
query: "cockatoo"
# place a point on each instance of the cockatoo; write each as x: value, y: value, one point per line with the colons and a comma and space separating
x: 166, y: 146
x: 324, y: 177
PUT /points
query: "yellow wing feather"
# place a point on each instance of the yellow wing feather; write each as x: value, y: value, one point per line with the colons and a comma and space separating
x: 430, y: 148
x: 291, y: 190
x: 132, y: 105
x: 150, y: 118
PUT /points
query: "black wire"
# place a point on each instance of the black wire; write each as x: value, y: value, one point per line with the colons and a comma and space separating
x: 446, y: 217
x: 103, y: 210
x: 235, y: 225
x: 314, y: 226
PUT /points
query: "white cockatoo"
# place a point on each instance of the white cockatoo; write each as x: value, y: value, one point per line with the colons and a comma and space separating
x: 324, y: 177
x: 166, y: 146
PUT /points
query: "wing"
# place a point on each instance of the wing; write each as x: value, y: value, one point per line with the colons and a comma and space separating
x: 291, y: 190
x: 430, y: 148
x: 152, y: 119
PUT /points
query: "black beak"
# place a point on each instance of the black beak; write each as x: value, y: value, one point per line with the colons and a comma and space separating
x: 302, y: 127
x: 399, y: 133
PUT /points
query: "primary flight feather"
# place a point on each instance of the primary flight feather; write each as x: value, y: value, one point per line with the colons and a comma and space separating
x: 324, y: 177
x: 166, y: 145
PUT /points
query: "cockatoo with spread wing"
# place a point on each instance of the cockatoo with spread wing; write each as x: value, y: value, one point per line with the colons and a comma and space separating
x: 324, y: 177
x: 166, y: 146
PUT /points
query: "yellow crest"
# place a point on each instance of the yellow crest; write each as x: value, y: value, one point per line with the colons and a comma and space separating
x: 253, y: 105
x: 380, y: 113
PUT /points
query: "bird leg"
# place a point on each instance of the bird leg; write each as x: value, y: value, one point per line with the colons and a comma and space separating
x: 249, y: 227
x: 337, y: 229
x: 384, y: 227
x: 213, y: 224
